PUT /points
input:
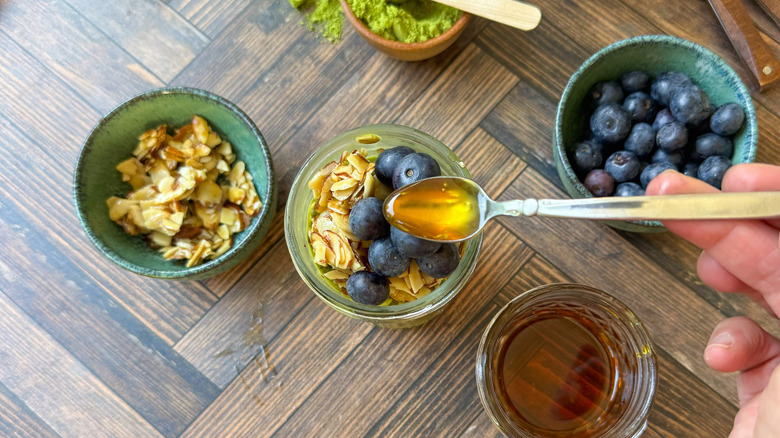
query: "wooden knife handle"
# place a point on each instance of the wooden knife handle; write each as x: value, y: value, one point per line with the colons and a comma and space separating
x: 772, y: 8
x: 746, y: 39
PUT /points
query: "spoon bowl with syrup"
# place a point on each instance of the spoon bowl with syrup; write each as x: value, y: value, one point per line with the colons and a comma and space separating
x: 453, y: 209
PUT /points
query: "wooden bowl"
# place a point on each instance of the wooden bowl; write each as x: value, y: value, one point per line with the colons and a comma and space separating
x: 407, y: 51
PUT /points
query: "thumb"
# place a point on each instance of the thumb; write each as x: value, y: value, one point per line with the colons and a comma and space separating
x: 767, y: 420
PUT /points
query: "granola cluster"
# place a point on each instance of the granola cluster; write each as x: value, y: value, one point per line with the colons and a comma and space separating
x: 337, y: 187
x: 189, y: 193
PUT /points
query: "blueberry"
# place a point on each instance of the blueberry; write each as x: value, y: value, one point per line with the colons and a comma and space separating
x: 367, y: 221
x: 629, y: 189
x: 441, y: 263
x: 368, y: 288
x: 672, y: 137
x: 727, y: 119
x: 587, y: 156
x: 605, y: 92
x: 691, y: 169
x: 414, y: 167
x: 636, y: 80
x: 610, y: 123
x: 713, y: 144
x: 665, y: 85
x: 690, y: 105
x: 640, y: 106
x: 653, y: 170
x: 712, y: 169
x: 675, y: 158
x: 662, y: 118
x: 386, y: 259
x: 600, y: 183
x: 641, y: 140
x: 387, y: 160
x: 622, y: 165
x: 412, y: 246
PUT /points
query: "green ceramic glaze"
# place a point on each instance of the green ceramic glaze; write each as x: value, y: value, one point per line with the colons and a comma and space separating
x: 654, y: 54
x: 113, y: 140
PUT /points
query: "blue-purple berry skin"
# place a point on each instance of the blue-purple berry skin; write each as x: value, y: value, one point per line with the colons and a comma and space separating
x: 712, y: 170
x: 641, y: 107
x: 367, y: 220
x: 414, y: 167
x: 653, y: 171
x: 610, y: 123
x: 666, y: 84
x: 604, y: 93
x: 675, y: 158
x: 386, y: 162
x: 600, y: 183
x: 711, y: 144
x: 622, y: 165
x: 368, y: 288
x: 629, y: 189
x: 641, y: 140
x: 636, y: 80
x: 662, y: 118
x: 587, y: 156
x: 672, y: 137
x: 441, y: 263
x: 727, y: 119
x: 690, y: 105
x: 386, y: 259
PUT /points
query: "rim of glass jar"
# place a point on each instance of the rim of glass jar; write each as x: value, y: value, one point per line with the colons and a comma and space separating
x: 322, y: 288
x: 633, y: 421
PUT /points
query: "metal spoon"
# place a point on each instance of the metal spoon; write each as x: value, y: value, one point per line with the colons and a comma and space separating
x: 513, y: 13
x: 450, y: 209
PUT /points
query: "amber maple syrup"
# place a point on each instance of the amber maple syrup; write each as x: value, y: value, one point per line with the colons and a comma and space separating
x: 435, y: 208
x: 556, y: 374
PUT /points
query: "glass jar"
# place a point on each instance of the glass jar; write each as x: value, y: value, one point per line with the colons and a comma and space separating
x: 297, y: 219
x: 566, y: 360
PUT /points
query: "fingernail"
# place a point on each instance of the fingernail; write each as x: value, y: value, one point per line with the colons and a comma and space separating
x: 722, y: 340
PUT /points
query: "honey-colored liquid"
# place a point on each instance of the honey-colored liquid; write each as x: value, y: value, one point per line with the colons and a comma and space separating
x: 436, y: 209
x: 557, y: 377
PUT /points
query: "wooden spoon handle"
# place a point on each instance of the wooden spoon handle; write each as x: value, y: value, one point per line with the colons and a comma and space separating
x: 513, y: 13
x: 746, y: 39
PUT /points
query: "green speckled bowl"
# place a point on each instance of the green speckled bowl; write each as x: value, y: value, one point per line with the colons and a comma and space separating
x: 654, y: 54
x: 113, y: 139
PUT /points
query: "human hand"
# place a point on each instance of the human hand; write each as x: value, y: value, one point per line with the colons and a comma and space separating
x: 739, y: 256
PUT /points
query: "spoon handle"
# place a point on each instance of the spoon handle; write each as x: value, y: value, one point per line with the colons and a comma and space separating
x: 513, y: 13
x: 748, y: 205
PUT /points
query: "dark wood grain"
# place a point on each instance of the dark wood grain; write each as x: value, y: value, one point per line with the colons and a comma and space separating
x: 88, y: 349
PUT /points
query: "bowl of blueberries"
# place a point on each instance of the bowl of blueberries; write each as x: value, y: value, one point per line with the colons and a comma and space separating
x: 345, y: 250
x: 647, y: 104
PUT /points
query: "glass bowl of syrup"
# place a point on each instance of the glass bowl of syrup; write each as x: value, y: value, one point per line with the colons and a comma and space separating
x: 566, y: 360
x: 298, y: 216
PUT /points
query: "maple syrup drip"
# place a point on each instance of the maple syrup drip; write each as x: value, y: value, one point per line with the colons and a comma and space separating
x: 436, y: 209
x: 557, y: 377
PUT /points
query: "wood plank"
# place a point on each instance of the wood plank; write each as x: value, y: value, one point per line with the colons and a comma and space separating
x: 55, y: 386
x: 300, y: 357
x: 212, y: 17
x: 491, y: 164
x: 464, y: 93
x: 524, y: 121
x: 362, y: 381
x: 591, y: 253
x: 169, y: 309
x: 145, y: 371
x: 274, y: 286
x: 482, y: 427
x: 686, y: 406
x: 419, y: 411
x: 18, y: 420
x: 75, y: 51
x: 536, y: 272
x: 382, y: 86
x: 150, y: 31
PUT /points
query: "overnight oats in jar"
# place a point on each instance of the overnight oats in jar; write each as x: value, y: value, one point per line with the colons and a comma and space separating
x: 566, y: 360
x: 356, y: 264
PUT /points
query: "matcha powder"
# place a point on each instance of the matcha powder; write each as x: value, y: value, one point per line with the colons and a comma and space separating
x: 406, y: 21
x: 323, y: 16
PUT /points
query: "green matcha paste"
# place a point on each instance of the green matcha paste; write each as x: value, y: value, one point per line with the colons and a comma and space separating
x: 406, y: 21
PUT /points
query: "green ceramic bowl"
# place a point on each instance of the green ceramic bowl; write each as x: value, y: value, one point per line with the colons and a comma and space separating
x: 113, y: 139
x: 654, y: 54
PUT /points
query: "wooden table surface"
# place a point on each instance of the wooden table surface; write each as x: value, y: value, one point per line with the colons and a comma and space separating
x: 88, y: 349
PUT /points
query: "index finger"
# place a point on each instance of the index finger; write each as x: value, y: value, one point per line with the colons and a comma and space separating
x: 748, y: 249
